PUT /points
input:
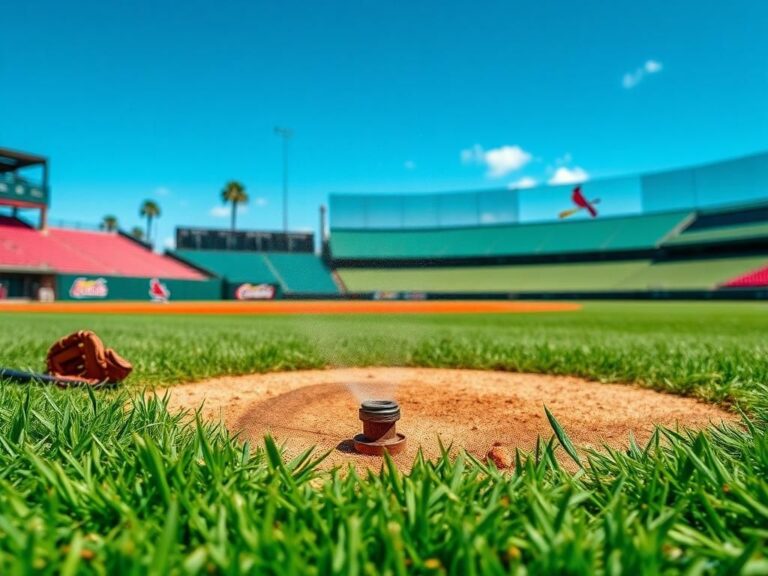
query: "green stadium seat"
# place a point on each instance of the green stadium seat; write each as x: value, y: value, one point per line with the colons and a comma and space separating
x: 602, y: 234
x: 235, y: 267
x: 704, y: 274
x: 294, y: 273
x: 522, y: 278
x: 724, y: 225
x: 747, y: 231
x: 301, y: 273
x: 697, y: 274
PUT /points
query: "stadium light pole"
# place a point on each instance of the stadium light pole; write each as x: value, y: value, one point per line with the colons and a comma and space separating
x: 286, y: 134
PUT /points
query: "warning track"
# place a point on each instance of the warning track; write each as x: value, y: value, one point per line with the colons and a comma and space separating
x: 290, y: 307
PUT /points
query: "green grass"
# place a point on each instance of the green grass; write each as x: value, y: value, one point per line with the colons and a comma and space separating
x: 87, y: 486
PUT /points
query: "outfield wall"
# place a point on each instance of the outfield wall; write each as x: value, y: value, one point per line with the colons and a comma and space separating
x: 99, y: 287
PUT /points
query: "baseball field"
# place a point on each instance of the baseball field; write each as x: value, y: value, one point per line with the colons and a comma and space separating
x: 121, y: 481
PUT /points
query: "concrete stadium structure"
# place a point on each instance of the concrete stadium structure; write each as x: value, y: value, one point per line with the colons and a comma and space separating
x: 695, y: 232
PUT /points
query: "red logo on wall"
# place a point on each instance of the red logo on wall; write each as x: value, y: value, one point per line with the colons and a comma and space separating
x: 158, y: 292
x: 255, y: 292
x: 85, y: 288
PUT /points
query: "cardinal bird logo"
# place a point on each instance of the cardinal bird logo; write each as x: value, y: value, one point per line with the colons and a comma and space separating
x: 158, y: 291
x: 581, y: 204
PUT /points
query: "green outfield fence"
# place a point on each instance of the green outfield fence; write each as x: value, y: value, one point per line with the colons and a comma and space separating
x: 86, y: 287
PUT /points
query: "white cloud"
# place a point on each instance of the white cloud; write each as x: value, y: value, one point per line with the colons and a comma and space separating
x: 502, y: 161
x: 499, y: 161
x: 169, y: 243
x: 162, y: 191
x: 524, y: 182
x: 565, y: 175
x: 260, y: 201
x: 652, y: 66
x: 225, y: 211
x: 487, y: 218
x: 632, y: 79
x: 409, y: 164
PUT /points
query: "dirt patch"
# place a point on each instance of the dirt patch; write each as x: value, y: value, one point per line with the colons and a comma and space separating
x: 467, y: 408
x: 292, y: 307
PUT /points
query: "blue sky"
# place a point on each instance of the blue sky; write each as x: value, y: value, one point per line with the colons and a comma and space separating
x: 168, y: 100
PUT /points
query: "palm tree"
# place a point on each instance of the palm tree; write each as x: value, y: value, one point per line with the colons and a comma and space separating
x: 109, y: 223
x: 137, y: 232
x: 235, y: 193
x: 149, y: 210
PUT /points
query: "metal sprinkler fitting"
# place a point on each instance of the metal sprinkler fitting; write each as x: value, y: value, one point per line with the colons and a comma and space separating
x: 379, y: 428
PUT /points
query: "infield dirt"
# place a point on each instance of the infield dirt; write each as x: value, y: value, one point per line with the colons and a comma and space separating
x: 467, y: 409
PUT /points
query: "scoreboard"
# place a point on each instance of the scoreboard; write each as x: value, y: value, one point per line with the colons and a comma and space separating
x: 244, y: 240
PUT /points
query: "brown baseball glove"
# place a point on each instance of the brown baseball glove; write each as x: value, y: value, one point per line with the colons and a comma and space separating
x: 82, y: 357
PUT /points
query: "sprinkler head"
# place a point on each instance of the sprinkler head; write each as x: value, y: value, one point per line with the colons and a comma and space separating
x: 380, y: 434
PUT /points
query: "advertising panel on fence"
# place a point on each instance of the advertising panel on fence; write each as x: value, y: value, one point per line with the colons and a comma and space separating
x: 83, y: 288
x: 386, y: 295
x: 255, y: 292
x: 124, y: 288
x: 158, y: 292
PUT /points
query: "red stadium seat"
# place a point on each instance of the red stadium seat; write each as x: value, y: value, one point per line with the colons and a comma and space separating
x: 754, y: 279
x: 116, y: 255
x: 78, y: 252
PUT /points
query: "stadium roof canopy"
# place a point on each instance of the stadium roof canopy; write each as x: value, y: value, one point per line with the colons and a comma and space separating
x: 11, y: 160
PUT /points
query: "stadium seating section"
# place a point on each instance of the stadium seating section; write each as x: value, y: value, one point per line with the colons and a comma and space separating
x: 560, y: 277
x: 630, y: 275
x: 294, y: 273
x: 581, y: 236
x: 720, y: 234
x: 754, y: 279
x: 302, y: 273
x: 708, y: 273
x: 77, y: 252
x: 725, y: 226
x: 666, y: 251
x: 663, y: 251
